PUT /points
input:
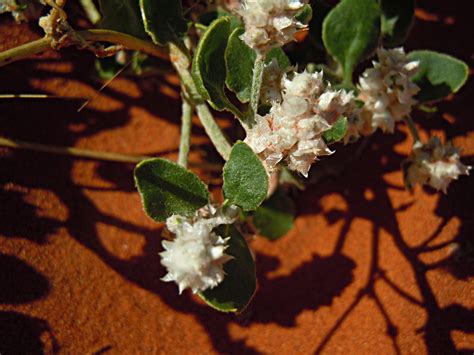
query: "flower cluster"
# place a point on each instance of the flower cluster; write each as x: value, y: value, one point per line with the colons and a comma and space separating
x: 195, y: 258
x: 293, y: 128
x: 270, y: 23
x: 434, y: 164
x: 387, y: 90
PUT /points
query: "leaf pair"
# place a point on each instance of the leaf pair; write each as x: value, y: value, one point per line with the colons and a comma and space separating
x: 167, y: 189
x: 223, y: 59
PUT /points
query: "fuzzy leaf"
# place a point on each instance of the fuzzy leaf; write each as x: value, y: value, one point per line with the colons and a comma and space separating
x: 167, y: 188
x: 397, y: 19
x: 207, y: 18
x: 351, y: 32
x: 245, y: 178
x: 337, y: 131
x: 238, y: 287
x: 208, y: 69
x: 122, y: 16
x: 240, y: 60
x: 239, y: 284
x: 439, y: 74
x: 274, y: 218
x: 163, y: 20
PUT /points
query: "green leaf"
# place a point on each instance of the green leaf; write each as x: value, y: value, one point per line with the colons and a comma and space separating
x: 305, y: 14
x: 337, y: 131
x: 290, y: 178
x: 320, y: 11
x: 238, y: 287
x: 209, y: 70
x: 439, y: 74
x: 397, y: 19
x: 167, y: 188
x: 240, y: 61
x: 274, y: 218
x: 107, y: 67
x: 163, y: 20
x: 122, y: 16
x: 245, y: 178
x: 207, y: 18
x: 351, y: 32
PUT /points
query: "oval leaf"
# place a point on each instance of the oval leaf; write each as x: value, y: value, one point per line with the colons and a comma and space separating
x: 337, y: 131
x: 439, y: 74
x: 240, y: 61
x: 238, y: 287
x: 245, y: 178
x: 122, y: 16
x: 209, y: 70
x: 274, y: 218
x: 163, y: 20
x: 351, y: 32
x: 167, y: 188
x: 397, y: 19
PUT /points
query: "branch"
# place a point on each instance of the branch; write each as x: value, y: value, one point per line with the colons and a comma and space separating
x: 41, y: 45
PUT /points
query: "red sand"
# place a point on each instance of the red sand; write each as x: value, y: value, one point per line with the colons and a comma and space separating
x: 369, y: 268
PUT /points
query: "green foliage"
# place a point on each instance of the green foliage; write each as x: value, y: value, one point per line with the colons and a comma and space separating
x: 337, y: 131
x: 238, y: 287
x: 209, y: 71
x: 207, y: 18
x: 439, y: 74
x: 167, y: 188
x: 305, y: 14
x: 351, y: 32
x: 274, y: 218
x: 163, y: 20
x: 397, y: 19
x: 245, y: 178
x: 240, y: 62
x: 122, y: 16
x: 291, y: 178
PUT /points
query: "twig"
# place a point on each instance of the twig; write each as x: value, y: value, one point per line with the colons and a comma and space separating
x: 91, y: 154
x: 96, y: 35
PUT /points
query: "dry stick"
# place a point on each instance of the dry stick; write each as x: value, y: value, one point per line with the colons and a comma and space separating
x: 36, y: 47
x: 91, y: 154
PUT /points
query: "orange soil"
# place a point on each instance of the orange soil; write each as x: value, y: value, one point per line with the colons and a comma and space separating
x: 369, y: 267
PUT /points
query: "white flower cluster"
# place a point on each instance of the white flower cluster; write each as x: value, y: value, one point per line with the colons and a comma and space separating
x: 270, y: 23
x: 434, y: 164
x: 387, y: 89
x: 293, y: 128
x: 195, y: 258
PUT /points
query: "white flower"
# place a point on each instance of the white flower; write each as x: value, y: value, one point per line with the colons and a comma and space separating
x: 270, y: 23
x: 387, y: 89
x: 195, y: 258
x: 434, y: 164
x: 292, y: 130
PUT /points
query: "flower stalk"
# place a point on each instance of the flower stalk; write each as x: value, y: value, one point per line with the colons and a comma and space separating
x: 185, y: 140
x: 256, y: 84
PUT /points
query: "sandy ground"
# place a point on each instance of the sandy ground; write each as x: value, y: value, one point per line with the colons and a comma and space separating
x: 369, y: 267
